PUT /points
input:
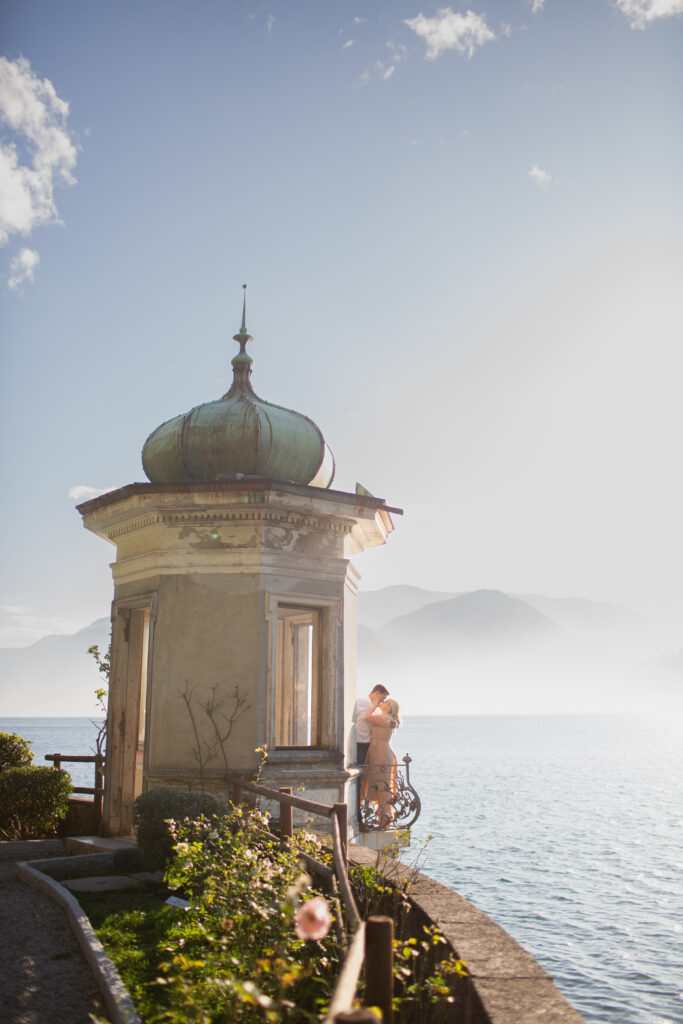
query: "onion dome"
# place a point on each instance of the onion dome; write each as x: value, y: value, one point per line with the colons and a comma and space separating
x: 238, y: 435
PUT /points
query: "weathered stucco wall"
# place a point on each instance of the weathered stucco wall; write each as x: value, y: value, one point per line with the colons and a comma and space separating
x: 200, y: 573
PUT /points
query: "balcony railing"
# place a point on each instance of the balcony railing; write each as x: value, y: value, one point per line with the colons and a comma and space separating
x: 388, y: 800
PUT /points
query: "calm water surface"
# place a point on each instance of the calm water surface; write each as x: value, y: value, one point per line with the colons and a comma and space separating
x: 58, y: 736
x: 568, y: 831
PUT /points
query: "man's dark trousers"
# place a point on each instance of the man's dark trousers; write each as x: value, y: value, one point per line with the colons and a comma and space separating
x: 361, y: 756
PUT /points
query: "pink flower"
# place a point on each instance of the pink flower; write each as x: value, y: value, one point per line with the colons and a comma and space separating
x: 312, y: 919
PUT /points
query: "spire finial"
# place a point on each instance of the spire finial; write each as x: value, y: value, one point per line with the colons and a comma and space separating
x: 242, y: 362
x: 242, y: 337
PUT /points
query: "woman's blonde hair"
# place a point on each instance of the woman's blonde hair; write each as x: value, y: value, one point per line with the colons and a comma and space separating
x: 393, y: 710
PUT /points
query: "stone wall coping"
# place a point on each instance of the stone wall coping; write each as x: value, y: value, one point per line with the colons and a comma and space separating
x: 509, y: 985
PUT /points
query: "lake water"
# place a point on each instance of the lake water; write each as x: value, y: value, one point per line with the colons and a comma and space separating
x: 58, y: 736
x: 567, y: 831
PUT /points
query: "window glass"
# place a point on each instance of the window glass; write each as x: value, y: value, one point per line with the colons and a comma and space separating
x: 297, y: 690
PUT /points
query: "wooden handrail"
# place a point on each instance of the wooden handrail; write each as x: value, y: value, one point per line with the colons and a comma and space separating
x: 378, y: 972
x: 347, y: 981
x: 342, y: 874
x: 74, y: 757
x: 324, y: 810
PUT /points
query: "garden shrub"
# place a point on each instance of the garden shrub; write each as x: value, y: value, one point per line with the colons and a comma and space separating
x: 236, y: 953
x: 15, y: 751
x: 154, y: 809
x: 32, y: 801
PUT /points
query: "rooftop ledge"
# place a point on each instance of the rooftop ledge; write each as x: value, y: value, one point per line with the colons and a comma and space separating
x: 245, y: 484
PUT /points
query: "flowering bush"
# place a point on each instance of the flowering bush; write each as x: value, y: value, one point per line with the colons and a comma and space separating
x: 247, y: 948
x: 256, y: 942
x: 312, y: 919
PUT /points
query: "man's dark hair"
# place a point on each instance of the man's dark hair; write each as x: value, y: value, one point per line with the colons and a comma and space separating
x: 380, y: 688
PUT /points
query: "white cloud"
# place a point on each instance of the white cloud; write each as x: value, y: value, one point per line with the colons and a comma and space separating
x: 641, y: 12
x: 347, y: 44
x: 448, y: 30
x: 541, y: 177
x: 537, y: 5
x: 359, y: 21
x: 41, y: 154
x: 270, y: 21
x: 22, y: 267
x: 384, y: 69
x: 82, y: 492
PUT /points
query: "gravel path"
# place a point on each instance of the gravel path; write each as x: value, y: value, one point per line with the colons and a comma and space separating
x: 44, y: 978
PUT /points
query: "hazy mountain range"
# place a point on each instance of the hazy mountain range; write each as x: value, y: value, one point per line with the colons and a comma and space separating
x: 475, y: 652
x: 486, y: 651
x: 54, y: 676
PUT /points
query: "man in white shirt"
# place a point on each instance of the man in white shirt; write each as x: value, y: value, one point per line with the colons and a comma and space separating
x: 363, y: 705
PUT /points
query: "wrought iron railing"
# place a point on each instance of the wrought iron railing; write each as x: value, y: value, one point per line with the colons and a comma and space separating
x: 388, y: 800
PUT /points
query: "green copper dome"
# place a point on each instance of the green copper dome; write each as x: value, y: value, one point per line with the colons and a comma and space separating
x: 238, y: 435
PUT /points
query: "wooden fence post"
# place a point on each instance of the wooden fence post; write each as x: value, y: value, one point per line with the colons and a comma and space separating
x: 342, y: 812
x: 58, y: 761
x: 379, y: 965
x: 286, y: 826
x: 98, y: 787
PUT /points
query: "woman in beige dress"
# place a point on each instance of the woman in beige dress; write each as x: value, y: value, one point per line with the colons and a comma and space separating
x: 379, y: 777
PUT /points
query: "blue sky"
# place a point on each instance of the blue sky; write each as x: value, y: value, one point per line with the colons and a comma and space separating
x: 461, y: 230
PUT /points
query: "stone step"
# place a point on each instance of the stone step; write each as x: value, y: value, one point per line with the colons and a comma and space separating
x: 99, y: 844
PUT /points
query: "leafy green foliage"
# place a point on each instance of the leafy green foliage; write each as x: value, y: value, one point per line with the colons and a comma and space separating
x: 424, y: 973
x: 103, y: 662
x: 427, y: 975
x: 15, y: 751
x: 134, y: 924
x: 32, y: 801
x: 155, y: 809
x: 233, y: 955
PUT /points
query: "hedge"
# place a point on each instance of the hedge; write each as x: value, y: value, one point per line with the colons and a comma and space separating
x: 155, y: 808
x: 15, y: 751
x: 32, y: 801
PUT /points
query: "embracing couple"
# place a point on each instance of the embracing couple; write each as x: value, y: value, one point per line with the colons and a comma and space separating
x: 377, y: 716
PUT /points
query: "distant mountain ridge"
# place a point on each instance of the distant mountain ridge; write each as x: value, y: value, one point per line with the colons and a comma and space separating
x: 480, y: 650
x: 488, y: 616
x: 54, y: 676
x: 377, y: 607
x: 486, y: 650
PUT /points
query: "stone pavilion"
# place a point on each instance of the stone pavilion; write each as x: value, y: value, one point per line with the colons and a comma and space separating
x: 234, y: 611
